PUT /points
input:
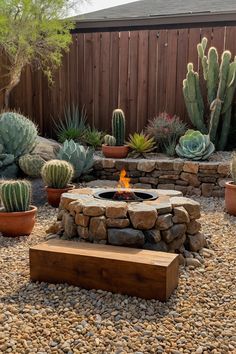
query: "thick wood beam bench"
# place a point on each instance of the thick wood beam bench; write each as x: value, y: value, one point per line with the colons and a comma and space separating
x: 142, y: 273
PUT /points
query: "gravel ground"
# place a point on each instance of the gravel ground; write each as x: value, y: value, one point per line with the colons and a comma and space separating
x: 199, y: 318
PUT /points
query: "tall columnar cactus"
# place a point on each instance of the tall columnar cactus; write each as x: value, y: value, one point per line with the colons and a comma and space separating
x: 57, y: 174
x: 16, y: 195
x: 18, y: 135
x: 233, y: 168
x: 118, y: 126
x: 31, y: 165
x: 221, y: 85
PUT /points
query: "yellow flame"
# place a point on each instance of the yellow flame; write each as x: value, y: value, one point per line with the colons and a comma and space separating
x: 124, y: 182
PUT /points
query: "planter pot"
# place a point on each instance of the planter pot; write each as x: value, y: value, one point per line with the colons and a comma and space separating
x: 15, y: 224
x: 54, y: 195
x: 230, y: 198
x: 116, y: 152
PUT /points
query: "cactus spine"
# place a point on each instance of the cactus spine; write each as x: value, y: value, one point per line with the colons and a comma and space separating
x: 31, y: 165
x: 16, y: 195
x: 221, y: 86
x: 109, y: 140
x: 18, y: 135
x: 118, y: 126
x: 57, y: 174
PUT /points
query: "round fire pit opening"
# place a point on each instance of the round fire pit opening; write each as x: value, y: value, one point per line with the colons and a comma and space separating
x: 124, y: 195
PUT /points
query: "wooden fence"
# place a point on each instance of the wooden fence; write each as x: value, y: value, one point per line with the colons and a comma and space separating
x: 139, y: 71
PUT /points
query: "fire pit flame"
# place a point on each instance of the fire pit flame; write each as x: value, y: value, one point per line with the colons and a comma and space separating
x: 121, y: 194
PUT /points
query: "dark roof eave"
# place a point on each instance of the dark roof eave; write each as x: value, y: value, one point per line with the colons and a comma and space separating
x: 174, y: 21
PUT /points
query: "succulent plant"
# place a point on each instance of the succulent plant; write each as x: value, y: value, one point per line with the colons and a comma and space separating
x: 109, y: 140
x: 73, y: 125
x: 118, y: 126
x: 18, y: 135
x: 57, y: 174
x: 195, y: 146
x: 78, y: 156
x: 15, y: 195
x: 31, y: 165
x: 233, y: 168
x: 93, y: 137
x: 221, y: 85
x: 141, y: 143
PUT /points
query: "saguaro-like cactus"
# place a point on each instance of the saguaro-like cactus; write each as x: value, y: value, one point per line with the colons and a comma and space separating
x: 118, y: 126
x: 221, y: 85
x: 16, y: 195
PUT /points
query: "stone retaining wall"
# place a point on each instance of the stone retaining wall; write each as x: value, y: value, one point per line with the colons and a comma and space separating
x: 168, y: 223
x: 192, y: 178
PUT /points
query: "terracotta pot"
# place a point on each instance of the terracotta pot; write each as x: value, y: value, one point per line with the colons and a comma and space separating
x: 15, y: 224
x: 230, y: 198
x: 116, y: 152
x: 54, y: 195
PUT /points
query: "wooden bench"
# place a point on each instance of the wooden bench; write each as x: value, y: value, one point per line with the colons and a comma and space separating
x: 146, y: 274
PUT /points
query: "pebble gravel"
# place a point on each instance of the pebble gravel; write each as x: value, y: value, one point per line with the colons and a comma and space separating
x: 200, y: 317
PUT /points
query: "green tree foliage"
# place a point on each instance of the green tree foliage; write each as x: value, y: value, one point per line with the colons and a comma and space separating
x: 32, y: 32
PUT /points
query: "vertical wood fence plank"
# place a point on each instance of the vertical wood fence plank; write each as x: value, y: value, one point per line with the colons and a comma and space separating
x: 96, y: 78
x: 88, y: 76
x: 171, y: 72
x: 152, y: 74
x: 123, y: 74
x: 114, y: 75
x: 161, y: 73
x: 142, y: 80
x: 133, y: 81
x: 104, y: 80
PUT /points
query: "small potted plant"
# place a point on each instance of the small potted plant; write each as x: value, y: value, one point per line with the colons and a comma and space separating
x: 17, y: 216
x: 114, y: 145
x: 230, y: 189
x: 57, y: 175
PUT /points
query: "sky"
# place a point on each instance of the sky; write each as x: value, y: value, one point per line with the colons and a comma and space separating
x: 94, y: 5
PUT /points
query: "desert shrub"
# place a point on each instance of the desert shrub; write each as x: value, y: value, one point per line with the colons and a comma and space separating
x: 166, y: 130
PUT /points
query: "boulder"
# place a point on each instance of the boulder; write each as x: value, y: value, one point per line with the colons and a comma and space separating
x: 196, y: 242
x: 97, y: 229
x: 174, y: 232
x: 180, y: 215
x: 46, y: 148
x: 126, y: 237
x: 159, y: 246
x: 164, y: 222
x: 142, y: 216
x: 153, y: 236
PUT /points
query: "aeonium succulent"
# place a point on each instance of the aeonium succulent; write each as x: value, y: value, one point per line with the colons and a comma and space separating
x: 194, y: 145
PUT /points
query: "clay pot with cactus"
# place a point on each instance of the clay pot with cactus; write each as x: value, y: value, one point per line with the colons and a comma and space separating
x: 230, y: 189
x: 57, y: 175
x: 17, y: 216
x: 114, y: 145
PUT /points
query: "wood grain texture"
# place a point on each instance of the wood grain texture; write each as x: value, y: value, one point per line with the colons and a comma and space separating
x: 146, y: 274
x: 141, y: 71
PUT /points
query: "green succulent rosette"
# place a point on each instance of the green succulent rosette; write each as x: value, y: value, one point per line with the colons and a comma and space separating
x: 194, y: 145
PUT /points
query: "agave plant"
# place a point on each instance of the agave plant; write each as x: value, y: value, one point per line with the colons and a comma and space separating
x: 93, y: 137
x: 80, y: 158
x: 73, y: 125
x: 140, y: 143
x: 194, y: 145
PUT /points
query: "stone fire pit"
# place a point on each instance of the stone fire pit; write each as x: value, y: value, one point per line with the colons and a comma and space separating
x: 168, y: 223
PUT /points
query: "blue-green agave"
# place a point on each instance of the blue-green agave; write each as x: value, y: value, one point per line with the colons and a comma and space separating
x: 81, y: 159
x: 194, y: 145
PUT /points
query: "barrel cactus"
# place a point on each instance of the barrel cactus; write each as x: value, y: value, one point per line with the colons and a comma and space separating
x: 82, y: 159
x: 195, y: 146
x: 16, y: 195
x: 18, y: 135
x: 221, y: 85
x: 118, y: 126
x: 31, y: 165
x: 57, y: 174
x: 109, y: 140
